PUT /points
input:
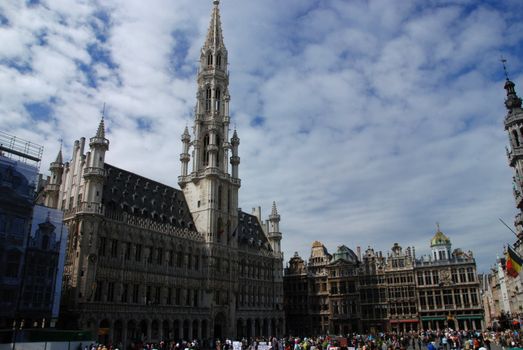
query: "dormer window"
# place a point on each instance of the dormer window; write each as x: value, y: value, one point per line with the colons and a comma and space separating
x: 219, y: 60
x: 209, y: 59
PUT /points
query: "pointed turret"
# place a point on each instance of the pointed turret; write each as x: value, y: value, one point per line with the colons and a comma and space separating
x: 94, y: 173
x: 52, y: 189
x: 59, y: 158
x: 184, y: 156
x: 235, y: 159
x: 274, y: 229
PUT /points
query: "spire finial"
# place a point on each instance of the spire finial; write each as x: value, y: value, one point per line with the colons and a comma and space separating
x: 59, y: 158
x: 437, y: 226
x: 274, y: 210
x: 101, y: 127
x: 503, y: 62
x: 216, y: 2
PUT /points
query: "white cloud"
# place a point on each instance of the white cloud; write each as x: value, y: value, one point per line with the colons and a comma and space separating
x: 378, y: 118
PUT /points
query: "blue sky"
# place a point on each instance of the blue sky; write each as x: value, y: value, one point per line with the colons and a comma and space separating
x: 366, y: 121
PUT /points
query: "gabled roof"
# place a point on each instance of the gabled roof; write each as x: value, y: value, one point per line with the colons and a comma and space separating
x: 250, y: 232
x: 128, y: 192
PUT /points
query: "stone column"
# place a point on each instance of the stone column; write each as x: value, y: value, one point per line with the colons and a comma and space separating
x: 190, y: 331
x: 149, y: 330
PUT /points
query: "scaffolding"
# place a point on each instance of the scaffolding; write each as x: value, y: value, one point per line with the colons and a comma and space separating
x: 20, y: 150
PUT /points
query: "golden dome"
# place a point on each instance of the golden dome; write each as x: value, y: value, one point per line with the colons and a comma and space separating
x: 439, y: 239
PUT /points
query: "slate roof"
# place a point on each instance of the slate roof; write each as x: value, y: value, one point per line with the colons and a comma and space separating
x: 250, y: 232
x: 128, y: 192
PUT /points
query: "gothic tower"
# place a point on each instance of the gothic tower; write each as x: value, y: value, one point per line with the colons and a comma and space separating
x: 514, y: 127
x: 210, y: 190
x: 52, y: 189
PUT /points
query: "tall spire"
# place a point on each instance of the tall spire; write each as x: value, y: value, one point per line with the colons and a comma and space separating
x: 101, y: 127
x: 214, y: 38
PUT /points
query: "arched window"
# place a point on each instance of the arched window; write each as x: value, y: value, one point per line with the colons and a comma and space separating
x: 209, y: 59
x: 219, y: 60
x: 205, y: 152
x: 218, y: 144
x: 220, y: 229
x: 217, y: 96
x: 219, y: 197
x: 516, y: 138
x: 208, y: 99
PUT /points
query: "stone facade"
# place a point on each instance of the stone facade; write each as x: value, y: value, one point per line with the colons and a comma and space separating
x: 448, y: 288
x: 147, y: 261
x: 401, y: 289
x: 347, y: 292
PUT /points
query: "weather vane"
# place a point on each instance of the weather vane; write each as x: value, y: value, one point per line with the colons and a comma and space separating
x: 503, y: 62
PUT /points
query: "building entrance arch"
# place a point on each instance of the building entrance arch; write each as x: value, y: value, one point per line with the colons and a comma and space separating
x: 220, y: 325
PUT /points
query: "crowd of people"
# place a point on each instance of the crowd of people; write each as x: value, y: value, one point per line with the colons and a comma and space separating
x: 447, y: 339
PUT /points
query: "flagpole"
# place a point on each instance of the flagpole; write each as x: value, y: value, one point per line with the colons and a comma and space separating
x: 511, y: 230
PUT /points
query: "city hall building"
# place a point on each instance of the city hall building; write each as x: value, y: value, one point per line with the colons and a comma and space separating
x: 150, y: 262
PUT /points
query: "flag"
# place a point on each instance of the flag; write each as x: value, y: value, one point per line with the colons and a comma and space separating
x: 514, y: 262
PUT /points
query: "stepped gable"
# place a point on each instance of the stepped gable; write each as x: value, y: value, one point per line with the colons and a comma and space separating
x: 250, y: 232
x: 136, y: 195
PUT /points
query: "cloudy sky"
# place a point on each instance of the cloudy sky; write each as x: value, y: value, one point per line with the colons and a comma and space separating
x: 366, y: 121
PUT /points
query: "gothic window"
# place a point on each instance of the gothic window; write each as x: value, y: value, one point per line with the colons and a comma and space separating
x: 218, y: 140
x: 219, y: 60
x: 208, y: 94
x: 138, y: 253
x: 220, y: 229
x: 110, y: 291
x: 136, y: 292
x: 220, y: 197
x: 102, y: 246
x: 171, y: 258
x: 209, y: 59
x: 150, y: 255
x: 205, y: 153
x: 114, y: 248
x: 159, y: 256
x: 196, y: 262
x: 124, y: 293
x: 179, y: 257
x: 217, y: 97
x: 516, y: 138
